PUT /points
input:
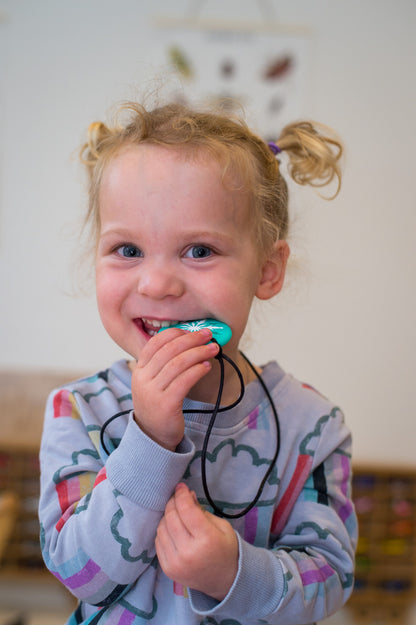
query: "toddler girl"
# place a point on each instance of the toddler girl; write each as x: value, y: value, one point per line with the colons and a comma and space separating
x: 187, y: 485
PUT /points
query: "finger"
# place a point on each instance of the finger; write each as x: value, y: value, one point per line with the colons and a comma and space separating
x: 164, y: 349
x: 156, y: 343
x: 165, y: 548
x: 195, y: 518
x: 222, y: 525
x: 184, y: 363
x: 188, y: 509
x: 161, y: 339
x: 171, y: 533
x: 173, y: 524
x: 187, y: 368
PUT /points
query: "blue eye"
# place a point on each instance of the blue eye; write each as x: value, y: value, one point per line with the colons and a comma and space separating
x: 129, y: 251
x: 199, y: 251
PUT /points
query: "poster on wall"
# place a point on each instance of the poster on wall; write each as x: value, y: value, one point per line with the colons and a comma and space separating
x: 260, y: 70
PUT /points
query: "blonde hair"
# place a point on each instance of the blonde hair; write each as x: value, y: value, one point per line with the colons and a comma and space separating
x: 313, y: 156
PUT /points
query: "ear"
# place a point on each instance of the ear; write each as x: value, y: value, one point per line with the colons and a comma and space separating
x: 273, y: 271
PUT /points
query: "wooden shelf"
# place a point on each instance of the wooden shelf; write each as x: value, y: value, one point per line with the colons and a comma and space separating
x: 23, y: 397
x: 385, y: 500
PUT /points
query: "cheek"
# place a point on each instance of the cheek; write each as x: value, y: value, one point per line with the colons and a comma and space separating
x: 232, y: 300
x: 108, y: 292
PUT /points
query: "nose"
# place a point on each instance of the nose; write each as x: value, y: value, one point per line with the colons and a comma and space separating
x: 159, y: 280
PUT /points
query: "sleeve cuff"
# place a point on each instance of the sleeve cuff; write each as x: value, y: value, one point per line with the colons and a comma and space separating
x: 257, y: 589
x: 144, y: 471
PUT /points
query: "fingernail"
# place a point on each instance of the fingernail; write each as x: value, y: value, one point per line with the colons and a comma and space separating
x: 206, y: 332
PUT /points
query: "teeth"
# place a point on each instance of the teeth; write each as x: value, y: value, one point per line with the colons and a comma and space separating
x: 156, y: 325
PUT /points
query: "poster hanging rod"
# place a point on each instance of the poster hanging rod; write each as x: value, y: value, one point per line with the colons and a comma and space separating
x: 221, y: 25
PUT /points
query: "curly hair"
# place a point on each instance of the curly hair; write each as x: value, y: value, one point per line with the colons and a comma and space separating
x: 247, y: 160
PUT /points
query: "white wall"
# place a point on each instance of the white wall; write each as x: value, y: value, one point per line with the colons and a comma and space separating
x: 346, y: 321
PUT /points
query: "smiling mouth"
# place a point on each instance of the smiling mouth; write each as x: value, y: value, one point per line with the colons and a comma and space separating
x: 152, y: 326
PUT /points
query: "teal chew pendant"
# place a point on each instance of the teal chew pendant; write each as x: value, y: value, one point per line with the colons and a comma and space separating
x: 220, y: 331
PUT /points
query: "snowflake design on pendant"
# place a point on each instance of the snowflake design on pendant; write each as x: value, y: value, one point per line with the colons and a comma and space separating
x: 220, y: 331
x: 195, y: 326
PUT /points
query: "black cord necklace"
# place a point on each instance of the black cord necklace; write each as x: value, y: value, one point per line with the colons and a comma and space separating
x: 221, y: 357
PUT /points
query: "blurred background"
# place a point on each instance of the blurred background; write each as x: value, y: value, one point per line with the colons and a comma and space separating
x: 345, y: 321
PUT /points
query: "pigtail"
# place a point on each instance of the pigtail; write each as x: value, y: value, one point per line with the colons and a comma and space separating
x: 313, y: 154
x: 93, y: 154
x: 98, y: 136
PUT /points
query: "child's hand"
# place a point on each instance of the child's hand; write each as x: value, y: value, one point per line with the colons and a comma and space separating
x: 196, y: 548
x: 170, y: 364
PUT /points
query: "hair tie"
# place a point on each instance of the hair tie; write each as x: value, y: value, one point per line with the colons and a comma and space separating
x: 274, y: 147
